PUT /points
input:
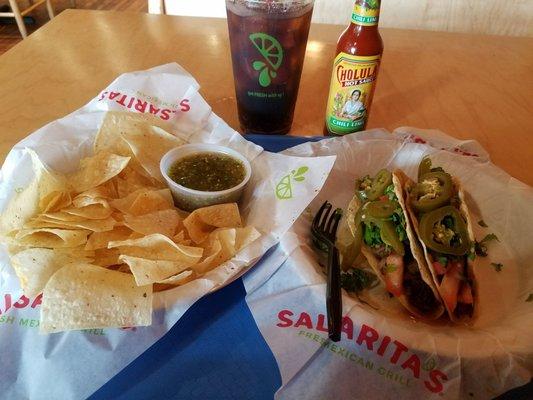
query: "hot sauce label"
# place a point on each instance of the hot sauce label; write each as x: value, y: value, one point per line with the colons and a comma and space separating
x: 366, y: 12
x: 350, y: 92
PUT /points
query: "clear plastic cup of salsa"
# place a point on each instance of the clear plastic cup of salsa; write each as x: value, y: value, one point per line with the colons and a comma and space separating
x: 201, y: 175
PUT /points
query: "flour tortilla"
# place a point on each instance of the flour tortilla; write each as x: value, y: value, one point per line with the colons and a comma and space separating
x: 397, y: 178
x: 470, y: 265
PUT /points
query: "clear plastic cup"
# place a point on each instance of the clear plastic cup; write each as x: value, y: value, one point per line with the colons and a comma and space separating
x: 268, y: 40
x: 190, y: 199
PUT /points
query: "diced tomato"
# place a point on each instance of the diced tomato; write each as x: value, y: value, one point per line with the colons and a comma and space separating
x: 393, y: 274
x: 449, y: 287
x: 439, y: 268
x: 384, y: 197
x: 465, y: 294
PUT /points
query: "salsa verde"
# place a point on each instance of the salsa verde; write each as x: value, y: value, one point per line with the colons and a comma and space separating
x: 208, y: 172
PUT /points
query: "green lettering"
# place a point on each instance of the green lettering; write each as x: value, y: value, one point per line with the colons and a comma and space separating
x: 24, y: 321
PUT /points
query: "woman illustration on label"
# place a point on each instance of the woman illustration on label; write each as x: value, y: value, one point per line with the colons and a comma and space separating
x: 353, y: 108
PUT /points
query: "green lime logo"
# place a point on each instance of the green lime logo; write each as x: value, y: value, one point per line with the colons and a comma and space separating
x: 284, y: 187
x: 272, y: 53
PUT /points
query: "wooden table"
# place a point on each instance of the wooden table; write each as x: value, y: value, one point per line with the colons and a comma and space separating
x: 468, y: 86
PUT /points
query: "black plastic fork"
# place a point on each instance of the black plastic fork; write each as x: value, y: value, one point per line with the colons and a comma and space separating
x: 324, y: 229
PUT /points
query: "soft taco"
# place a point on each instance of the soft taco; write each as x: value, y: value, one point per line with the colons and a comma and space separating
x: 440, y: 217
x: 375, y: 224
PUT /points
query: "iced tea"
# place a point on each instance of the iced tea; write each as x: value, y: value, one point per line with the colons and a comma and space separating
x: 268, y: 40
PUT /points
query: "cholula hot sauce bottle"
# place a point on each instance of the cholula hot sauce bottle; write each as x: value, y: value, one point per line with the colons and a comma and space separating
x: 355, y: 71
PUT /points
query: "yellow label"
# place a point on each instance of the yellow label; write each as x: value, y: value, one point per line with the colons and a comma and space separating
x: 366, y: 12
x: 350, y: 92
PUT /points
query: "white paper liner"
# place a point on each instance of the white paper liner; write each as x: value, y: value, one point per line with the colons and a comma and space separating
x: 74, y: 364
x: 495, y: 355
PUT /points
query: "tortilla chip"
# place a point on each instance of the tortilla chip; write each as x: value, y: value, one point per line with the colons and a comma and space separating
x: 166, y: 222
x: 55, y: 201
x: 152, y: 201
x: 201, y: 222
x: 121, y: 131
x: 52, y: 238
x: 86, y: 201
x: 158, y: 247
x: 109, y: 136
x: 179, y: 279
x: 106, y: 257
x: 93, y: 212
x: 104, y: 191
x: 47, y: 221
x: 221, y: 247
x: 182, y: 238
x: 25, y: 202
x: 36, y: 265
x: 149, y: 271
x: 149, y: 145
x: 144, y: 201
x: 85, y: 296
x: 111, y: 188
x: 245, y: 236
x: 97, y: 170
x: 130, y: 180
x: 100, y: 240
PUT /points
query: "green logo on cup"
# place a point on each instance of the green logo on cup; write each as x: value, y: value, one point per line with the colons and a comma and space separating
x: 272, y: 53
x: 284, y: 186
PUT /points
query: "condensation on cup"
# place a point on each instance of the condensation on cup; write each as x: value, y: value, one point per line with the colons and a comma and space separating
x: 268, y: 40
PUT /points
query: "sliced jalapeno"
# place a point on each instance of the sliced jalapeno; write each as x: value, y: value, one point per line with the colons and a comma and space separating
x: 424, y: 167
x: 381, y: 209
x: 380, y: 182
x: 349, y: 236
x: 442, y: 237
x: 358, y: 230
x: 361, y: 185
x: 388, y: 233
x: 433, y: 190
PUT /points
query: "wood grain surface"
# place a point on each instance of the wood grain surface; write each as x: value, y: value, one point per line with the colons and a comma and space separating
x: 10, y: 35
x: 495, y: 17
x: 471, y: 87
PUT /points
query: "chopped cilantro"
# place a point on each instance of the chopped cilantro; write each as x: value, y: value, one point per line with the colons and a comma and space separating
x: 372, y: 235
x: 357, y: 279
x: 399, y: 223
x: 530, y: 297
x: 442, y: 260
x: 482, y: 223
x: 489, y: 237
x: 389, y: 192
x: 497, y: 266
x: 481, y: 247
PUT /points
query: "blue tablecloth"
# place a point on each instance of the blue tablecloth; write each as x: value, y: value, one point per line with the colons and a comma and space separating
x: 215, y: 351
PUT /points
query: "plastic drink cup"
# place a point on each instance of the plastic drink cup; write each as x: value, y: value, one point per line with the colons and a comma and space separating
x: 268, y: 40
